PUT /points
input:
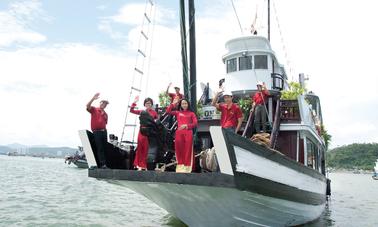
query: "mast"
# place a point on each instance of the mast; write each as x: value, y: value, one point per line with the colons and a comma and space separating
x: 192, y: 46
x: 269, y: 20
x: 184, y: 50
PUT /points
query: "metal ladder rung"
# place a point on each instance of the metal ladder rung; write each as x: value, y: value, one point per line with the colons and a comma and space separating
x: 138, y: 70
x: 142, y: 53
x: 136, y: 89
x: 148, y: 19
x: 145, y: 36
x: 151, y: 3
x: 130, y: 125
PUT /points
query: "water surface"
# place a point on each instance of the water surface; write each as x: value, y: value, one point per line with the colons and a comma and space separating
x: 47, y: 192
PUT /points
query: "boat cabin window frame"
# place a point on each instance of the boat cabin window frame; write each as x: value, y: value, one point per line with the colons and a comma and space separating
x: 231, y: 65
x: 260, y: 61
x: 245, y: 62
x: 313, y: 157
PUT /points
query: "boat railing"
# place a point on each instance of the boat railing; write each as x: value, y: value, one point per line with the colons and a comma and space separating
x: 290, y: 111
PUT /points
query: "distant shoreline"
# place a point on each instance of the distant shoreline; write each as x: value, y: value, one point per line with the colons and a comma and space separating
x: 351, y: 171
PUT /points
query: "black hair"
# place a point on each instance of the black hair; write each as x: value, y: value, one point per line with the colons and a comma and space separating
x: 179, y: 105
x: 148, y: 100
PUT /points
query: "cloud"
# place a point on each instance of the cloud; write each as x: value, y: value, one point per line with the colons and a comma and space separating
x: 133, y: 14
x: 15, y: 23
x: 47, y: 87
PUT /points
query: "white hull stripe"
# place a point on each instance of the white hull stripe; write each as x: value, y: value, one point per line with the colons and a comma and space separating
x: 256, y: 165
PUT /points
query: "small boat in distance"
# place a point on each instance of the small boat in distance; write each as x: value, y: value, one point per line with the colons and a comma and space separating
x: 78, y: 158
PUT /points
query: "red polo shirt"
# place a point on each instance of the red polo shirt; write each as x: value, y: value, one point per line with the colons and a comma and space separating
x: 174, y: 95
x: 99, y: 118
x: 260, y: 97
x: 230, y: 116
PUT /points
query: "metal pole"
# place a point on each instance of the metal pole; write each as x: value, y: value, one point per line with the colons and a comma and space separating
x: 192, y: 46
x: 269, y: 20
x: 184, y: 55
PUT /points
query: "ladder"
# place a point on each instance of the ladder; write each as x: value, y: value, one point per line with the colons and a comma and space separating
x: 138, y: 71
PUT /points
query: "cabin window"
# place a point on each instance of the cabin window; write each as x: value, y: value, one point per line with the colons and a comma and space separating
x: 245, y: 62
x: 231, y: 65
x: 261, y: 62
x: 312, y: 155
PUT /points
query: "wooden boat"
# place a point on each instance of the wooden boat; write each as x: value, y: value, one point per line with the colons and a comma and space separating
x: 281, y: 183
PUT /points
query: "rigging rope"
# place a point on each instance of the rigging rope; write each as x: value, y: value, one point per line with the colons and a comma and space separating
x: 237, y: 17
x: 288, y: 62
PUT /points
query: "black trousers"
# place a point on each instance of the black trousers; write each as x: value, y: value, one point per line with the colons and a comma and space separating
x: 100, y: 138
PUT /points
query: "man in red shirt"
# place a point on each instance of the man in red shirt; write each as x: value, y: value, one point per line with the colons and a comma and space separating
x: 231, y: 114
x: 99, y: 119
x: 258, y: 101
x: 176, y: 94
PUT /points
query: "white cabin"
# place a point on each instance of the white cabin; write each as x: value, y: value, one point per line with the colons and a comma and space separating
x: 250, y: 59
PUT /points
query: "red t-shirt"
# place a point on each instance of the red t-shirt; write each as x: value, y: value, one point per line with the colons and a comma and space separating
x: 152, y: 112
x: 174, y: 95
x: 230, y: 116
x: 260, y: 97
x: 99, y: 118
x: 184, y: 117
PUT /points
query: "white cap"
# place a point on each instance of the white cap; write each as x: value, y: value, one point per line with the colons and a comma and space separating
x: 227, y: 93
x: 259, y: 83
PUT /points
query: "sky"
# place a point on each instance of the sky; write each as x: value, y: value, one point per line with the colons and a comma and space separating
x: 55, y: 55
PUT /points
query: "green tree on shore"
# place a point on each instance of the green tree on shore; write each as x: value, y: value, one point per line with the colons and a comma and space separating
x: 353, y: 156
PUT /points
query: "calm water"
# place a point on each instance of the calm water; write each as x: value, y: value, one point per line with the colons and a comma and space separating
x: 47, y: 192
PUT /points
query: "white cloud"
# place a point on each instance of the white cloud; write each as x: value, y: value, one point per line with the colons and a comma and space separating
x: 47, y: 88
x: 15, y: 23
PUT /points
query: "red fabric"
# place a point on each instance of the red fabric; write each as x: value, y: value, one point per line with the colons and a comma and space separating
x: 151, y: 111
x: 174, y: 95
x: 230, y: 116
x: 141, y: 151
x: 143, y: 145
x: 183, y: 117
x: 184, y: 148
x: 99, y: 118
x: 184, y: 137
x: 260, y: 97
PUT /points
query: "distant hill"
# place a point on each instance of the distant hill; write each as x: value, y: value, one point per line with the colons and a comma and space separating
x: 5, y: 149
x: 40, y: 150
x: 16, y: 146
x: 353, y: 156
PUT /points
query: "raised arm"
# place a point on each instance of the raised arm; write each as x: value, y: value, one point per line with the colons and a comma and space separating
x: 89, y: 104
x: 132, y: 107
x: 173, y: 105
x: 265, y: 90
x: 169, y: 85
x: 215, y: 100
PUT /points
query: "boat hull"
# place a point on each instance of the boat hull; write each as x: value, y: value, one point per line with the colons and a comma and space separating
x: 213, y: 199
x: 256, y: 186
x: 81, y: 164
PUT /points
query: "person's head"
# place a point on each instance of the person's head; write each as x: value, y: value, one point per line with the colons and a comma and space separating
x: 259, y: 85
x: 227, y: 96
x: 184, y: 105
x: 177, y: 89
x: 148, y: 103
x: 103, y: 104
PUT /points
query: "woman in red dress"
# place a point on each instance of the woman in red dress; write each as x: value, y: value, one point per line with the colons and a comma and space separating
x: 140, y: 161
x: 186, y: 121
